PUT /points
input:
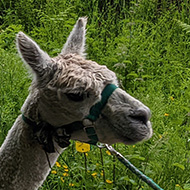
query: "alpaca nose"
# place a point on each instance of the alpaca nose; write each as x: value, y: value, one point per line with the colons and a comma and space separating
x: 142, y: 114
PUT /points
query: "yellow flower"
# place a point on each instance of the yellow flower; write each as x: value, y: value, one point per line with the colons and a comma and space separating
x: 97, y: 164
x: 66, y: 169
x: 65, y: 166
x: 172, y: 98
x: 94, y: 174
x: 82, y: 147
x: 58, y: 164
x: 133, y: 146
x: 160, y: 136
x: 62, y: 179
x: 177, y: 185
x: 71, y: 184
x: 53, y: 172
x: 166, y: 114
x: 109, y: 181
x: 65, y: 174
x: 102, y: 173
x: 108, y: 152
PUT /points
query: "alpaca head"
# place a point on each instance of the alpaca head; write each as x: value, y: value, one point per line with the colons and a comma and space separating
x: 64, y: 89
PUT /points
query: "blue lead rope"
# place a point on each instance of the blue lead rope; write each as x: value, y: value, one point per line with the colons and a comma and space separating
x: 128, y: 164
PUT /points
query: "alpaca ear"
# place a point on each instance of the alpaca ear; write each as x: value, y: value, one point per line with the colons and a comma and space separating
x: 76, y: 41
x: 31, y: 53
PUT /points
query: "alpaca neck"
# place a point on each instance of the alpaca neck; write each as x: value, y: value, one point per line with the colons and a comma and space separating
x: 23, y: 162
x: 30, y: 106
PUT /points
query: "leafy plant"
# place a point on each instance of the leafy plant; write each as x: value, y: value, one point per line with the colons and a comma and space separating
x: 7, y: 36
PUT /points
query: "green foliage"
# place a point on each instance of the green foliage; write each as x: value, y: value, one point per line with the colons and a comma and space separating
x: 184, y: 26
x: 13, y: 90
x: 147, y: 44
x: 7, y: 36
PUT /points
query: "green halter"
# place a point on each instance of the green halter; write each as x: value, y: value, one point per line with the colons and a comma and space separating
x: 95, y: 111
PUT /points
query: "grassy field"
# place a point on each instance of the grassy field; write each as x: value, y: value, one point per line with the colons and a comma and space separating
x: 147, y: 44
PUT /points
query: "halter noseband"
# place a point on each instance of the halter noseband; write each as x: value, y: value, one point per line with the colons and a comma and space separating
x: 87, y: 125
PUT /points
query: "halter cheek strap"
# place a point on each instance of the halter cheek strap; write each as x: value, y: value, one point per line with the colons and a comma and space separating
x: 95, y: 112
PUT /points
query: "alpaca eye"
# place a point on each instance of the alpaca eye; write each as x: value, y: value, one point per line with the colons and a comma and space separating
x: 75, y: 97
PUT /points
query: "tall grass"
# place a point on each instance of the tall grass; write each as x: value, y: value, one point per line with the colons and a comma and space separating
x: 146, y: 43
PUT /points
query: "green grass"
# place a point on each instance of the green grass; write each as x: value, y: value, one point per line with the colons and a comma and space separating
x: 147, y: 44
x: 13, y: 90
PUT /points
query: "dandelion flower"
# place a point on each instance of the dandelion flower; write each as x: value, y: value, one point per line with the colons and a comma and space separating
x: 53, y: 172
x: 66, y: 169
x: 177, y: 185
x: 109, y: 181
x: 65, y: 174
x: 65, y: 166
x: 58, y: 164
x: 62, y: 179
x: 108, y: 152
x: 133, y: 146
x: 172, y: 98
x: 166, y: 114
x: 94, y: 174
x: 71, y: 184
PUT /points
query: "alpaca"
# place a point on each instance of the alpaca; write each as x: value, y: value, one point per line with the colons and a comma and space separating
x: 63, y: 92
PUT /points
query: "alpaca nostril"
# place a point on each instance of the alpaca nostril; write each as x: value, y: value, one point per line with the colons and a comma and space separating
x: 142, y: 114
